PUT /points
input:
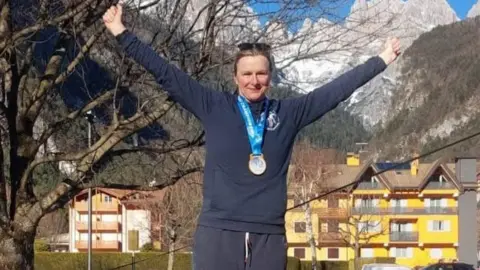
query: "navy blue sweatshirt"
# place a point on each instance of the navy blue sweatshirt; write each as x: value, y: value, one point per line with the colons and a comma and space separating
x: 233, y: 197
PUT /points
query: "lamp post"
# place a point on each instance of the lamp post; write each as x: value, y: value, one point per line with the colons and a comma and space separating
x: 89, y: 116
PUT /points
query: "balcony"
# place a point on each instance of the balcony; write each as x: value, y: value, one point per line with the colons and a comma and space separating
x: 82, y: 206
x: 99, y: 225
x: 99, y: 245
x: 439, y: 185
x: 404, y: 237
x: 332, y: 237
x: 404, y: 210
x: 330, y: 213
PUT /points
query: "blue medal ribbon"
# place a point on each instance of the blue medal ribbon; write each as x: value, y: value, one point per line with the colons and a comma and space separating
x: 254, y: 130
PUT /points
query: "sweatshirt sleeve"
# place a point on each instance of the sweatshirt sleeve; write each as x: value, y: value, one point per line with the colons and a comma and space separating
x: 181, y: 88
x: 312, y: 106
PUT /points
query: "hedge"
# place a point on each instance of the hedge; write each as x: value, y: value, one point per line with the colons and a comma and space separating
x: 325, y: 265
x: 158, y: 260
x: 120, y: 261
x: 371, y: 260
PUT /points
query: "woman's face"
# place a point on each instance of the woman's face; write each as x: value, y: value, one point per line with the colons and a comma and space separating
x: 253, y: 77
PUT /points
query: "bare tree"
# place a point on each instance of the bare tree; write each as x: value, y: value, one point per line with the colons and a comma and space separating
x: 176, y: 215
x: 363, y: 225
x: 57, y: 65
x: 311, y: 170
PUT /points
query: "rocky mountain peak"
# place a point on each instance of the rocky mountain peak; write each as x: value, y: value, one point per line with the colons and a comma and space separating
x: 474, y: 11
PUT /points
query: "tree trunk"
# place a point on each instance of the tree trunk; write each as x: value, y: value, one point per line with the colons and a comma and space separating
x: 171, y: 255
x: 172, y: 235
x: 356, y: 259
x: 16, y: 254
x: 310, y: 235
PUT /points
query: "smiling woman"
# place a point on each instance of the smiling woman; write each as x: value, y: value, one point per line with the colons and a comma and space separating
x: 249, y: 144
x: 252, y: 70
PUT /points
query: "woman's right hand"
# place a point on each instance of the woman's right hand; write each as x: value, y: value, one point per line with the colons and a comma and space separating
x: 113, y: 19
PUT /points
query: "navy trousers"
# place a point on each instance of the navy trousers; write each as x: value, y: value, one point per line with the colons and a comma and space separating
x: 217, y: 249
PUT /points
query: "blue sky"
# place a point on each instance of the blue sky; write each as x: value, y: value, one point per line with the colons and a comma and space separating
x: 461, y: 7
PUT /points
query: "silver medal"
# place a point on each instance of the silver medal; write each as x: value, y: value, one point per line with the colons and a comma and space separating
x: 257, y: 164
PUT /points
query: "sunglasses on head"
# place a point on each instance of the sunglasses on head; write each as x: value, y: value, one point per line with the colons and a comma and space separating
x: 254, y: 46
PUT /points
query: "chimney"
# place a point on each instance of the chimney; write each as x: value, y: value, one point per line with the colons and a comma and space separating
x: 353, y: 159
x: 414, y: 165
x: 465, y: 170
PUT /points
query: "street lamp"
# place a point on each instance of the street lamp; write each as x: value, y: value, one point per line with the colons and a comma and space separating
x: 90, y: 117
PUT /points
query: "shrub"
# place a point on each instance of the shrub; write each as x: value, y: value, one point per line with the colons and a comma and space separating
x: 147, y: 247
x: 122, y: 261
x: 40, y: 245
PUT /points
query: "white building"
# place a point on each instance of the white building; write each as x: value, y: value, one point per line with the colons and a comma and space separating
x: 121, y: 220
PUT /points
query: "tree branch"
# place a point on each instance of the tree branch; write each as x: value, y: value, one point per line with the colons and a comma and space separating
x: 52, y: 68
x: 104, y: 97
x: 179, y: 175
x: 3, y: 189
x: 85, y: 49
x: 44, y: 23
x: 197, y: 142
x: 88, y: 157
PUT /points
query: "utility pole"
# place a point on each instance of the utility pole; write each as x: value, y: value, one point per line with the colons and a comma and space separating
x: 89, y: 117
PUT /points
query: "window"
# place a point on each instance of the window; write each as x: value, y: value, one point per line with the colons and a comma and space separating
x: 366, y: 252
x: 299, y: 253
x: 435, y: 202
x: 300, y: 227
x: 369, y: 226
x: 401, y: 252
x: 436, y: 253
x: 332, y: 253
x: 401, y: 227
x: 438, y: 225
x: 367, y: 203
x: 435, y: 205
x: 397, y: 203
x: 438, y: 180
x: 107, y: 198
x: 374, y: 181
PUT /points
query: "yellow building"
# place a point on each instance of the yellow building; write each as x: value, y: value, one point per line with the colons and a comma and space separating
x: 409, y: 213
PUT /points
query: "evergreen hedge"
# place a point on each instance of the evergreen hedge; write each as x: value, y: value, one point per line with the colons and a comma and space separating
x: 158, y: 260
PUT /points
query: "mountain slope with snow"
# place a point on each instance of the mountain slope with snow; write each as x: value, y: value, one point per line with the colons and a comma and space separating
x: 474, y: 11
x: 372, y: 21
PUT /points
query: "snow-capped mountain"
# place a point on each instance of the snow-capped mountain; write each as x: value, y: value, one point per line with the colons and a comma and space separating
x: 368, y: 25
x: 474, y: 11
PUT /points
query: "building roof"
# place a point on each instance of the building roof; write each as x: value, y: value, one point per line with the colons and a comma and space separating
x: 128, y: 195
x: 393, y: 179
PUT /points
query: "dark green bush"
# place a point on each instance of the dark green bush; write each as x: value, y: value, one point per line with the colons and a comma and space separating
x: 147, y: 247
x: 158, y: 260
x: 325, y: 265
x: 121, y: 261
x: 40, y: 245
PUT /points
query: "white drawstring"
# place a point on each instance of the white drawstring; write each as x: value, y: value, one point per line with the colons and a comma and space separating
x: 246, y: 246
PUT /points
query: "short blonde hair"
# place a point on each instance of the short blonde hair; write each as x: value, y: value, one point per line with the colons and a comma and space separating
x: 253, y: 49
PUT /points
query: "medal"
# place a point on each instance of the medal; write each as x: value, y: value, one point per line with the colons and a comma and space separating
x: 257, y: 164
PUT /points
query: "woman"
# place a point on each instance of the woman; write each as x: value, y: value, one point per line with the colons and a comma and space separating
x: 249, y: 140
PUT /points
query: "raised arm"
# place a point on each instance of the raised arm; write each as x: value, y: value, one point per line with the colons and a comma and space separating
x: 310, y: 107
x: 180, y: 86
